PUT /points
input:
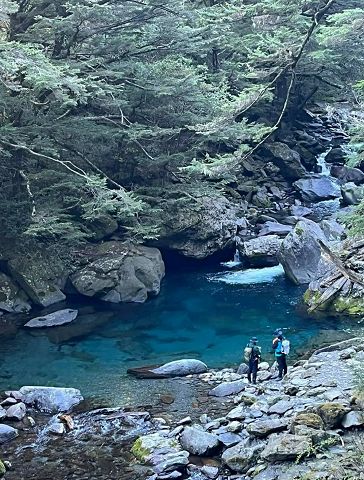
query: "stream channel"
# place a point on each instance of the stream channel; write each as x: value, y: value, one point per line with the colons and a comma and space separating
x: 204, y: 311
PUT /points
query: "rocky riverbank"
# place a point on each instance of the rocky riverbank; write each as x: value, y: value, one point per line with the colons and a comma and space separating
x: 305, y: 427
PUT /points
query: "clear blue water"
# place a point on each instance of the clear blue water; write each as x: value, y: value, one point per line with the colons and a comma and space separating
x: 209, y: 313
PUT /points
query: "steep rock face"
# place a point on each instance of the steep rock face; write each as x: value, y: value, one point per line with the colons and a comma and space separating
x: 201, y: 231
x: 39, y: 274
x: 12, y: 298
x: 118, y: 272
x: 300, y: 252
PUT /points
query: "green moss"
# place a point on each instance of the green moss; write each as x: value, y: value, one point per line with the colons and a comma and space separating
x: 311, y: 297
x: 139, y: 451
x: 349, y: 305
x: 2, y: 469
x: 299, y: 231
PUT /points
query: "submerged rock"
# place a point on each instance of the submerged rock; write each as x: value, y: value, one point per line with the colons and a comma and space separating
x: 300, y: 252
x: 51, y: 399
x: 199, y: 442
x: 120, y: 272
x: 53, y: 319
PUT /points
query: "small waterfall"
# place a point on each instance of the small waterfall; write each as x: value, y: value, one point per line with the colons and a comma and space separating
x: 321, y: 162
x: 236, y: 262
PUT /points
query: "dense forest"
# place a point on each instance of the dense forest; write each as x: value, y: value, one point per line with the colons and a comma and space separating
x: 124, y: 111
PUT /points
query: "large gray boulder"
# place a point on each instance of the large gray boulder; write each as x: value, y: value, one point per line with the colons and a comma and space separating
x: 228, y: 388
x: 287, y: 160
x: 317, y: 187
x: 54, y: 319
x: 347, y: 174
x: 261, y: 251
x: 199, y: 442
x: 241, y: 457
x: 12, y: 298
x: 285, y: 447
x: 51, y: 399
x: 181, y: 368
x: 7, y: 433
x: 300, y: 252
x: 119, y: 272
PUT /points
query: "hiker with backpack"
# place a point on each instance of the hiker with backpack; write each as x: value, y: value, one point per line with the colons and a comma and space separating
x: 281, y: 347
x: 252, y: 356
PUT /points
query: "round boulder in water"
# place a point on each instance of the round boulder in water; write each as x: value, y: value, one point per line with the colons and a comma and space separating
x: 177, y: 368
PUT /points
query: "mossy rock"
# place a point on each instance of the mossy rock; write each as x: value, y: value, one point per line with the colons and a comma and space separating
x: 2, y: 469
x: 139, y: 451
x: 144, y: 446
x: 349, y: 305
x: 332, y: 413
x: 311, y: 420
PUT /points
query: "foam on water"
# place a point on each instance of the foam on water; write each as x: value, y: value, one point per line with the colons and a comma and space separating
x: 249, y: 276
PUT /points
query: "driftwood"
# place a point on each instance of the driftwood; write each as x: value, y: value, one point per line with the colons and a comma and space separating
x: 329, y: 293
x: 346, y: 272
x: 342, y: 279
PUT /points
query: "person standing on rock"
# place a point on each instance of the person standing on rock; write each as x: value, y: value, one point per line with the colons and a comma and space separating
x: 252, y: 356
x: 281, y: 348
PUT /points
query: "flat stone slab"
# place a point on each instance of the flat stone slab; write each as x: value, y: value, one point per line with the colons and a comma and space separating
x: 53, y: 319
x: 228, y: 388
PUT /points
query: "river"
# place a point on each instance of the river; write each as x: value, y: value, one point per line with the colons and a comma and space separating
x: 204, y: 311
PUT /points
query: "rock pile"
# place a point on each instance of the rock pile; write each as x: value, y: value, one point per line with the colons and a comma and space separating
x: 272, y: 428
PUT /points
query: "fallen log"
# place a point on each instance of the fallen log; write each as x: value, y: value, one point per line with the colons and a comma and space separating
x: 332, y: 257
x: 329, y: 293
